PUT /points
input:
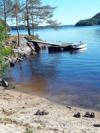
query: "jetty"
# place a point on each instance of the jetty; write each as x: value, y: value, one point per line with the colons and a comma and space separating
x: 56, y: 47
x: 52, y: 43
x: 48, y: 43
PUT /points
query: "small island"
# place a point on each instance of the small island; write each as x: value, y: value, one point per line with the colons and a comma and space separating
x: 95, y: 20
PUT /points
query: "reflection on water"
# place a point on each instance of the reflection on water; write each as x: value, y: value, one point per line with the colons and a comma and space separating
x: 78, y: 51
x: 68, y: 78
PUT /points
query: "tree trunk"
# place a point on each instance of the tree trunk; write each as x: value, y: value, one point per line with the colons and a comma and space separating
x: 33, y: 28
x: 27, y: 19
x: 17, y: 30
x: 5, y: 16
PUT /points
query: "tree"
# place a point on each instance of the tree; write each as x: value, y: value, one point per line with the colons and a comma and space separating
x: 2, y: 32
x: 15, y: 14
x: 5, y: 9
x: 4, y: 51
x: 35, y: 13
x: 27, y: 18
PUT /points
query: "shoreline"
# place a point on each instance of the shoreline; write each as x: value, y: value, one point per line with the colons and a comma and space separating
x: 36, y: 91
x: 18, y: 111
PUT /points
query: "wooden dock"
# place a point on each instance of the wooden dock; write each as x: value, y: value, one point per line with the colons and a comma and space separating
x: 52, y: 43
x: 56, y: 47
x: 61, y: 48
x: 53, y: 47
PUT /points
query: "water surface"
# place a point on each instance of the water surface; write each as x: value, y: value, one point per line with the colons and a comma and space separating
x: 66, y: 78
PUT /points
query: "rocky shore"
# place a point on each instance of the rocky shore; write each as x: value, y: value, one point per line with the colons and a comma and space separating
x: 26, y: 113
x: 27, y: 47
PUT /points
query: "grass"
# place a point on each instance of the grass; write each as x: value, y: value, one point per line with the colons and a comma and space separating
x: 28, y: 130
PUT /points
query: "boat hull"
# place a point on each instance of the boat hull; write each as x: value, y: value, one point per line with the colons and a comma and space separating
x: 62, y: 48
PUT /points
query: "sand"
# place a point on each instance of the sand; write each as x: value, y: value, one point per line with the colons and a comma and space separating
x: 17, y: 113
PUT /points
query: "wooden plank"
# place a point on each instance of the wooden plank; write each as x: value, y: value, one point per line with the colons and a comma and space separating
x: 51, y: 43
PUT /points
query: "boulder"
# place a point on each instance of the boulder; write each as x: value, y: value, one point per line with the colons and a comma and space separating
x: 23, y: 49
x: 77, y: 115
x: 4, y: 83
x: 12, y: 64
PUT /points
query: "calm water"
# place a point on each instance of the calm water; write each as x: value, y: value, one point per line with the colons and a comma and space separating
x: 66, y: 78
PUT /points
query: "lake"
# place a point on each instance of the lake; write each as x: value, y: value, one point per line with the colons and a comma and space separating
x: 65, y: 78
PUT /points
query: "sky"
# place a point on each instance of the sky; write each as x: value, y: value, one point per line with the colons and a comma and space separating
x: 71, y: 11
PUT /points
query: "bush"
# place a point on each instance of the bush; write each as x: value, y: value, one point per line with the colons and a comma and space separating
x: 6, y: 51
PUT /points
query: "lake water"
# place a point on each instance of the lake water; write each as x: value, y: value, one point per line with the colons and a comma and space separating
x: 66, y: 78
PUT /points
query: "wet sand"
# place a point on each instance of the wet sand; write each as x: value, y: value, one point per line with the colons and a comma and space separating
x: 68, y: 97
x: 17, y: 112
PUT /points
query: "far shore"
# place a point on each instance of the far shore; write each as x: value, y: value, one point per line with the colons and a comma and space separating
x: 18, y: 114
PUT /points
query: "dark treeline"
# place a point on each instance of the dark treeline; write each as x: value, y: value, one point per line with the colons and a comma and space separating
x: 23, y: 27
x: 95, y: 20
x: 30, y: 13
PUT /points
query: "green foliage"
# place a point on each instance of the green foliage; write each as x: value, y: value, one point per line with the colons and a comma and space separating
x: 3, y: 50
x: 6, y: 51
x: 3, y: 66
x: 28, y: 130
x: 3, y: 31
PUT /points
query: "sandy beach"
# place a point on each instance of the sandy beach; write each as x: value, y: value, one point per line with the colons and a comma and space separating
x: 18, y: 115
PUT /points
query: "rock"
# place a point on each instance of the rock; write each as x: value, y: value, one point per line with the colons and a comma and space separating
x: 68, y: 107
x: 30, y: 45
x: 33, y: 44
x: 26, y: 48
x: 89, y: 115
x: 4, y: 83
x: 12, y: 61
x: 96, y: 125
x: 14, y: 42
x: 92, y: 115
x: 41, y: 113
x: 77, y: 115
x: 12, y: 64
x: 23, y: 50
x: 37, y: 48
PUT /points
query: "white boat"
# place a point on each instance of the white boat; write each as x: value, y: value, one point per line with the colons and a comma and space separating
x: 79, y: 46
